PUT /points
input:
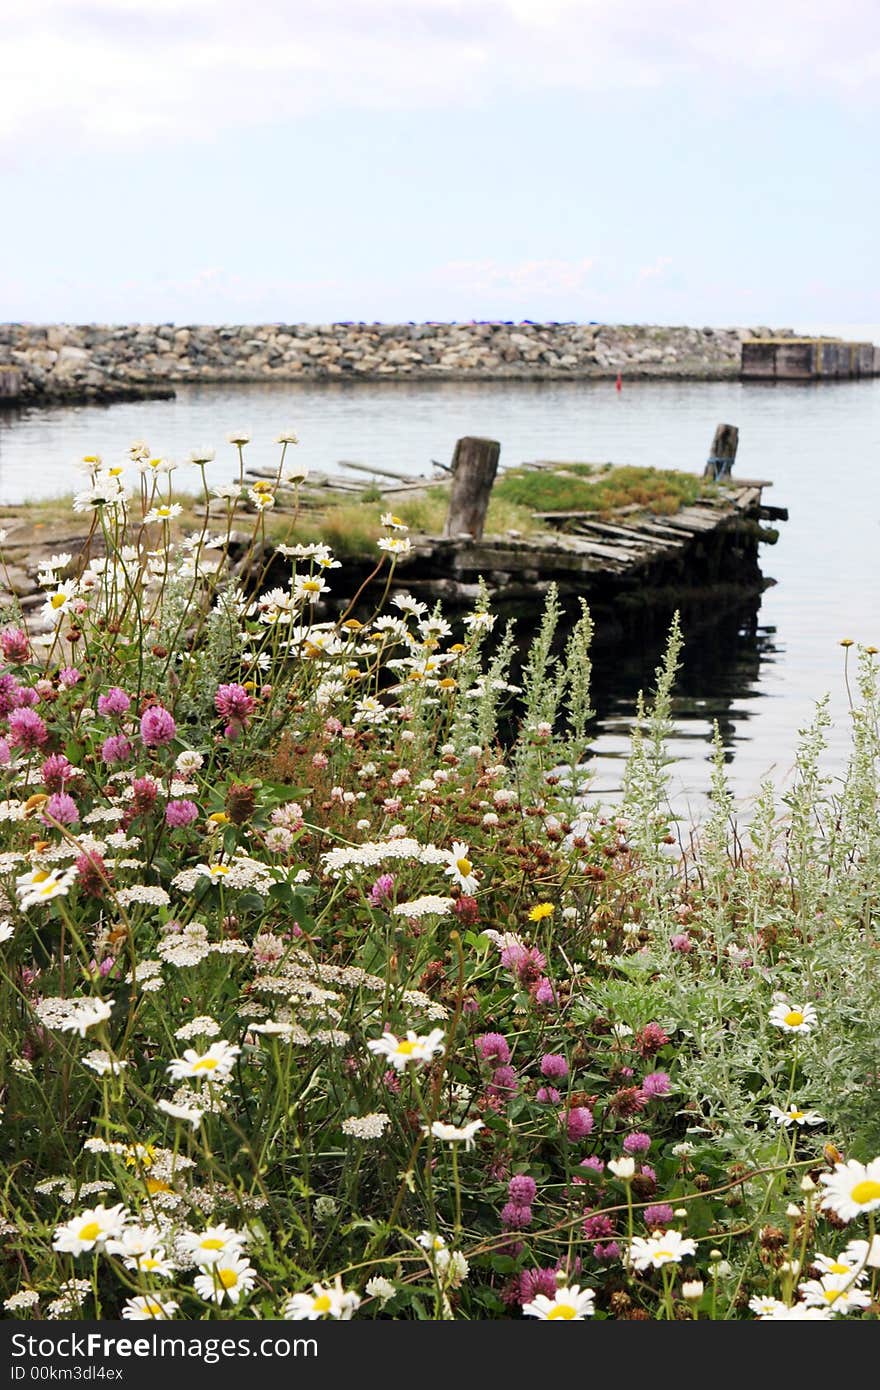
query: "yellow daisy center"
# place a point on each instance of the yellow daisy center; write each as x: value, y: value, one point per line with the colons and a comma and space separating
x: 406, y: 1047
x: 866, y: 1191
x: 90, y: 1231
x: 312, y: 586
x: 664, y: 1254
x: 837, y: 1267
x: 154, y: 1309
x: 58, y: 600
x: 832, y: 1295
x: 794, y: 1018
x: 149, y: 1262
x: 322, y: 1303
x: 205, y: 1064
x: 464, y: 866
x: 794, y: 1114
x: 219, y: 870
x: 211, y: 1243
x: 228, y: 1278
x: 47, y: 889
x: 157, y: 1185
x: 562, y: 1310
x: 141, y: 1153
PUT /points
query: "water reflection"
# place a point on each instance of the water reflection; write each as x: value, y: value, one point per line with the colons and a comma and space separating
x: 721, y: 679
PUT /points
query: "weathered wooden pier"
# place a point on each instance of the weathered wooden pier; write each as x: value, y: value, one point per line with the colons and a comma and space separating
x: 633, y: 567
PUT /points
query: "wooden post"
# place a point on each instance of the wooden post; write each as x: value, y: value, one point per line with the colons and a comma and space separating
x: 474, y: 465
x: 723, y: 452
x: 10, y: 382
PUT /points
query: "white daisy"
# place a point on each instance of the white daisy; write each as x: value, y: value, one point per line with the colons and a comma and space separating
x: 450, y: 1134
x: 395, y: 545
x: 231, y: 1279
x: 794, y: 1116
x: 91, y: 1229
x: 166, y: 511
x: 213, y: 1245
x: 661, y: 1248
x: 846, y: 1263
x: 214, y: 1065
x: 792, y: 1018
x: 763, y: 1306
x: 41, y: 886
x: 144, y: 1307
x: 411, y: 1049
x: 571, y: 1303
x: 325, y: 1301
x: 853, y: 1188
x: 460, y: 869
x: 309, y: 588
x: 860, y: 1253
x: 189, y: 1114
x: 839, y: 1292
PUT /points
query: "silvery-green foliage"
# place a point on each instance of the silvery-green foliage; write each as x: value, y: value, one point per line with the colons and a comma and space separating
x: 494, y: 690
x: 646, y: 777
x: 463, y: 731
x: 855, y: 847
x: 808, y: 816
x: 578, y: 672
x: 217, y: 654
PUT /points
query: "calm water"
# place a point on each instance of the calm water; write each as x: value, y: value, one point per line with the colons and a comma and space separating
x: 820, y: 444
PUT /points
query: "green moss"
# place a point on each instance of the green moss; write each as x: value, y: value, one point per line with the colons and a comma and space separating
x: 602, y: 488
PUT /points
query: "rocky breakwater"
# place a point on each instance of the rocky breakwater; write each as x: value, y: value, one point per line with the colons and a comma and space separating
x: 105, y: 362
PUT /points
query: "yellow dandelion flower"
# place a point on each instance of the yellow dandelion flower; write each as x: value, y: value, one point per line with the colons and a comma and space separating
x: 540, y: 911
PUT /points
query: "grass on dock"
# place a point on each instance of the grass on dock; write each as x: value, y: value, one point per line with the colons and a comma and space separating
x: 351, y: 525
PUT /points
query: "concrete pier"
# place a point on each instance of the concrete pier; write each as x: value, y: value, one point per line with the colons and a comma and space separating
x: 808, y: 359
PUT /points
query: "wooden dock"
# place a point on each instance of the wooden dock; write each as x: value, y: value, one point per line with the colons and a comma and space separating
x: 632, y: 565
x: 707, y: 553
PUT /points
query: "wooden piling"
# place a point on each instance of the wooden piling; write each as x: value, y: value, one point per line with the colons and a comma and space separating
x: 10, y: 384
x: 474, y: 465
x: 722, y: 454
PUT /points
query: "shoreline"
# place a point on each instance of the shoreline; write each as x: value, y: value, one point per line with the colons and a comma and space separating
x: 74, y: 364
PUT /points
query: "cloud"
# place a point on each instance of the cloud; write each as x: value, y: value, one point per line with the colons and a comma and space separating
x: 115, y: 72
x: 657, y: 270
x: 531, y: 277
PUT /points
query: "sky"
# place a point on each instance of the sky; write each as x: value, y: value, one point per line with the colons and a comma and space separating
x: 663, y: 161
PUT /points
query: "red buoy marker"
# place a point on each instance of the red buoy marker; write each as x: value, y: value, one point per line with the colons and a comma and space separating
x: 619, y: 382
